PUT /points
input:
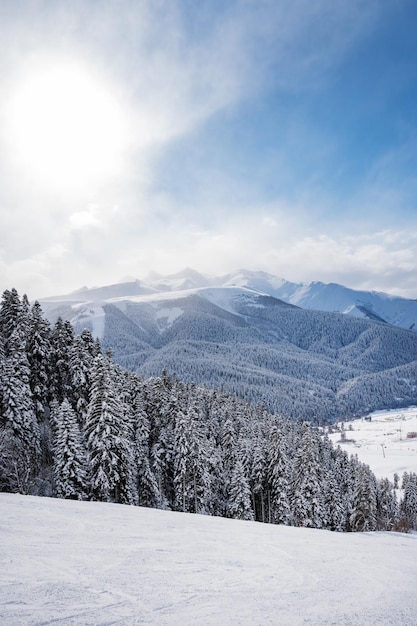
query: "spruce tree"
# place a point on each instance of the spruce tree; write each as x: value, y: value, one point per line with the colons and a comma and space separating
x: 364, y: 511
x: 108, y: 443
x: 278, y: 474
x: 182, y: 471
x: 409, y: 502
x: 62, y: 338
x: 12, y: 319
x: 70, y: 457
x: 19, y: 416
x: 239, y: 495
x: 308, y: 484
x: 147, y: 485
x: 38, y: 347
x: 387, y: 505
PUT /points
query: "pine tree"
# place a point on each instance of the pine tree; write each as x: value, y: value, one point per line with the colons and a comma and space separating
x: 308, y: 484
x: 258, y: 478
x: 19, y: 416
x: 109, y: 446
x: 62, y: 338
x: 183, y: 489
x: 409, y: 502
x: 364, y: 512
x: 12, y: 319
x: 199, y: 461
x: 239, y: 495
x: 147, y: 485
x: 278, y: 473
x: 38, y: 350
x: 80, y: 357
x: 70, y: 457
x: 333, y: 503
x: 2, y: 374
x: 344, y: 470
x: 387, y: 505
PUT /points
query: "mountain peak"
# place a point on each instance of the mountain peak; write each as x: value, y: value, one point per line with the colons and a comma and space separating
x: 315, y: 295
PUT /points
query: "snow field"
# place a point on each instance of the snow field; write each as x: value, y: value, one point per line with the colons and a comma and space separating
x: 90, y: 563
x: 382, y: 443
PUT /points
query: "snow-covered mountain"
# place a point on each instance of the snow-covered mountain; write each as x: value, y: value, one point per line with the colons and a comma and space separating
x: 316, y: 296
x: 301, y: 363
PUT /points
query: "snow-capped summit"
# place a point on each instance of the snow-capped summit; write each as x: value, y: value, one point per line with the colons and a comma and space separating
x: 317, y: 296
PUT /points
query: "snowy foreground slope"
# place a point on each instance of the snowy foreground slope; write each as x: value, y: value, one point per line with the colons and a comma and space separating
x: 89, y: 563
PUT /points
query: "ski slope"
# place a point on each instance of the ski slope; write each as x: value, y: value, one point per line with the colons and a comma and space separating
x: 88, y: 563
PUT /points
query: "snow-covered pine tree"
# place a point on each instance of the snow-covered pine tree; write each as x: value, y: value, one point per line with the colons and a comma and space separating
x: 62, y: 338
x: 344, y: 474
x: 81, y: 354
x: 12, y: 318
x: 333, y: 503
x: 409, y: 502
x: 147, y: 485
x: 240, y: 506
x: 308, y: 484
x: 258, y: 478
x: 199, y: 465
x: 70, y: 456
x: 387, y: 505
x: 228, y: 442
x: 364, y: 511
x: 279, y: 475
x: 38, y: 348
x: 182, y: 470
x: 19, y: 417
x: 2, y: 369
x: 109, y: 447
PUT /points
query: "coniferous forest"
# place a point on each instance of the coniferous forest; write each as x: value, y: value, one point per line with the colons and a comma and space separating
x: 76, y: 425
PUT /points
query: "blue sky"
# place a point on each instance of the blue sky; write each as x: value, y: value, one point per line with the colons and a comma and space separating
x: 154, y: 135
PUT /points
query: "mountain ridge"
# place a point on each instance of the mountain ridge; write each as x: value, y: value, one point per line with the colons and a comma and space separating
x: 316, y: 295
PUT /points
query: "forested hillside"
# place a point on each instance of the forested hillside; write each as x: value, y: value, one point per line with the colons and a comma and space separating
x: 312, y: 365
x: 76, y: 425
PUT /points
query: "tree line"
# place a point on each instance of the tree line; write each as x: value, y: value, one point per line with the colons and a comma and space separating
x: 76, y: 425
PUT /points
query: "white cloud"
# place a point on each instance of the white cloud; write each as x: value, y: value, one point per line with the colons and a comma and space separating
x: 169, y: 80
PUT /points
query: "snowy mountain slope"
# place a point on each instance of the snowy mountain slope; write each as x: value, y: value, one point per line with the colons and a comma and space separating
x: 317, y: 296
x: 300, y: 363
x: 94, y: 563
x: 333, y: 297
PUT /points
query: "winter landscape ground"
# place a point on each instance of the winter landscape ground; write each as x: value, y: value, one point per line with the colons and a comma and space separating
x: 90, y: 563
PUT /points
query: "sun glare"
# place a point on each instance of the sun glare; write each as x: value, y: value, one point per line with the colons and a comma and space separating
x: 65, y: 128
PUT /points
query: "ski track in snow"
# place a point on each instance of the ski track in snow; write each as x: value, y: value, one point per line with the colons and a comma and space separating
x: 87, y: 563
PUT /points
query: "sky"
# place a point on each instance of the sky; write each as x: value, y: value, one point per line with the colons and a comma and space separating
x: 153, y: 135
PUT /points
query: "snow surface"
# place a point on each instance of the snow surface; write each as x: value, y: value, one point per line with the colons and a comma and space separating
x: 225, y: 297
x: 95, y: 315
x: 90, y: 563
x: 167, y: 316
x: 382, y: 443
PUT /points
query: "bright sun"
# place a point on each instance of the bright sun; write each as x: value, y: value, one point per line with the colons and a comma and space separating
x: 66, y: 129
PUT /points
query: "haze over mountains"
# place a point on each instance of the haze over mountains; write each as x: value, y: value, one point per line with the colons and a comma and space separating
x: 237, y: 332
